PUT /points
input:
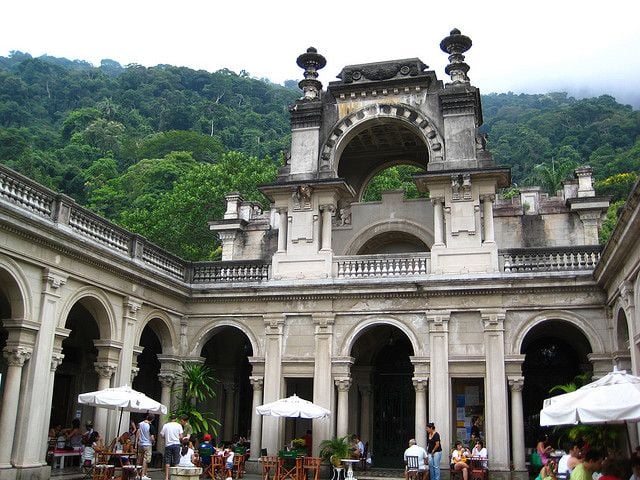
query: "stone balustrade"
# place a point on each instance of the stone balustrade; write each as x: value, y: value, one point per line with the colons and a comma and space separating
x: 392, y: 265
x: 555, y: 259
x: 231, y: 271
x: 25, y: 193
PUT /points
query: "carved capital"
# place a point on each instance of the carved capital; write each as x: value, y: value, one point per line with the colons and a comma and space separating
x: 53, y: 279
x: 516, y: 384
x: 56, y: 360
x: 17, y: 356
x: 488, y: 197
x: 257, y: 383
x: 365, y: 390
x: 167, y: 379
x: 343, y: 384
x: 437, y: 201
x: 493, y: 320
x: 229, y: 387
x: 420, y: 384
x: 328, y: 208
x: 104, y: 369
x: 438, y: 321
x: 273, y: 324
x: 134, y: 373
x: 131, y: 306
x: 626, y: 294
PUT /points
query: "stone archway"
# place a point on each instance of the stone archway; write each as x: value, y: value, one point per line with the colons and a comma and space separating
x: 382, y: 384
x: 226, y: 352
x: 556, y: 351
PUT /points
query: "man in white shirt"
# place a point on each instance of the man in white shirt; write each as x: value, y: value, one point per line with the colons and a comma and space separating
x: 568, y: 461
x: 417, y: 451
x: 172, y: 434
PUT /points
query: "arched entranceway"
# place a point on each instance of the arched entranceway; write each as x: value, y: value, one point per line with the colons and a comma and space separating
x: 77, y: 373
x: 227, y: 352
x: 555, y: 353
x: 382, y: 366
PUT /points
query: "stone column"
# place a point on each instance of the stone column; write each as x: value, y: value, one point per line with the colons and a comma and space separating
x: 105, y: 372
x: 56, y: 361
x: 497, y: 433
x: 256, y: 424
x: 322, y: 386
x: 327, y: 213
x: 33, y: 415
x: 440, y: 388
x: 229, y: 398
x: 130, y: 306
x: 487, y: 206
x: 438, y: 222
x: 271, y: 427
x: 628, y: 303
x: 420, y: 386
x: 343, y: 385
x: 16, y: 358
x: 365, y: 412
x: 517, y: 423
x: 167, y: 379
x: 282, y: 230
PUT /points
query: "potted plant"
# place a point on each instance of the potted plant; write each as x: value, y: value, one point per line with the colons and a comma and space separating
x: 335, y: 449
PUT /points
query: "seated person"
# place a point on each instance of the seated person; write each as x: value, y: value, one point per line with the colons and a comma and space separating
x: 91, y: 443
x: 186, y: 454
x: 459, y: 458
x: 479, y: 453
x: 548, y: 471
x: 206, y: 450
x: 417, y: 451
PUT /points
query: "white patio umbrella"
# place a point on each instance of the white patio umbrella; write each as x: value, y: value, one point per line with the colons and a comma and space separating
x: 293, y: 406
x: 122, y: 398
x: 614, y: 398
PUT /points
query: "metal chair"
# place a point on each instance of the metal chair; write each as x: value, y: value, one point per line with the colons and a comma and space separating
x: 412, y: 471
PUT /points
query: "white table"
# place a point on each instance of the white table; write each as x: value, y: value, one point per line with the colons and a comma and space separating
x: 60, y: 455
x: 349, y: 463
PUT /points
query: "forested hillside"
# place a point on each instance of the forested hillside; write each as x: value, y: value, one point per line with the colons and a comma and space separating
x: 155, y: 149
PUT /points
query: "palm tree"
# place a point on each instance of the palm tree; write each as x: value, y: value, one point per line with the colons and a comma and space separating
x: 551, y: 176
x: 196, y: 386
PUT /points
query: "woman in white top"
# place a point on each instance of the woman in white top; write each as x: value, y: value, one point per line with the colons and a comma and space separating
x: 186, y: 454
x: 480, y: 452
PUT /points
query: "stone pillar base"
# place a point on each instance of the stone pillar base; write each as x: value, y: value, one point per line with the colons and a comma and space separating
x: 41, y: 472
x: 185, y: 473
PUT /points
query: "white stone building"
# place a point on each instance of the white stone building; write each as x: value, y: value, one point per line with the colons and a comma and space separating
x: 390, y: 313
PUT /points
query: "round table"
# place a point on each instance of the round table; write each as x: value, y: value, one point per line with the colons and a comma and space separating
x: 349, y: 462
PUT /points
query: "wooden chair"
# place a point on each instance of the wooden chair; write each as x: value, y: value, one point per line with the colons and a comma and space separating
x: 311, y: 468
x: 217, y: 467
x: 363, y: 457
x: 412, y: 471
x: 238, y: 465
x: 269, y: 467
x: 478, y: 469
x: 289, y: 468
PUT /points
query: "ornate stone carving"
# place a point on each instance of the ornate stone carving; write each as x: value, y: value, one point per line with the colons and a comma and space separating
x: 311, y: 61
x: 343, y: 218
x: 516, y: 384
x: 167, y: 379
x: 626, y: 294
x: 17, y: 356
x: 134, y: 373
x: 461, y: 187
x: 56, y: 361
x: 302, y: 197
x: 455, y: 45
x: 105, y: 370
x: 343, y: 384
x: 420, y: 384
x: 257, y: 383
x: 54, y: 279
x: 377, y: 71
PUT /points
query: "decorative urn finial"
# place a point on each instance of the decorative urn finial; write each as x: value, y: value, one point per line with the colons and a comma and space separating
x: 311, y: 61
x: 455, y: 45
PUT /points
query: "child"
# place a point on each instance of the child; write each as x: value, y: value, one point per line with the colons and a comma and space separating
x: 186, y: 454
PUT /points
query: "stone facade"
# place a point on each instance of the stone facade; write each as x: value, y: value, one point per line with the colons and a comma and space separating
x: 390, y: 314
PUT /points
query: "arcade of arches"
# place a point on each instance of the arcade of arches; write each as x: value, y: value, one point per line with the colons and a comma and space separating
x: 390, y: 313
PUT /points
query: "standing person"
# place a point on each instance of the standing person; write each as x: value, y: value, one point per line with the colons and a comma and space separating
x: 544, y: 449
x: 145, y: 439
x: 308, y: 442
x: 187, y: 429
x: 591, y: 463
x: 415, y: 450
x: 172, y: 434
x: 434, y: 450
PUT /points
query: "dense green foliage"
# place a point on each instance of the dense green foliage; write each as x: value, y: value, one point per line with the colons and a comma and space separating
x: 155, y: 149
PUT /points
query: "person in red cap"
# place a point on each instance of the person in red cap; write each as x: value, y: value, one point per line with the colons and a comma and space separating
x: 205, y: 451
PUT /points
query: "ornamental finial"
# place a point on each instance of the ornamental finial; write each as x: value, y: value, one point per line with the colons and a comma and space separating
x: 455, y: 45
x: 311, y: 61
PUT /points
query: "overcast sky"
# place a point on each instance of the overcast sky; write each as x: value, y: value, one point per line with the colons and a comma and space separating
x: 585, y: 47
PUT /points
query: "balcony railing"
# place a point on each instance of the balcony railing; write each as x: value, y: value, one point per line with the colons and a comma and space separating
x: 556, y: 259
x: 230, y: 271
x: 392, y: 265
